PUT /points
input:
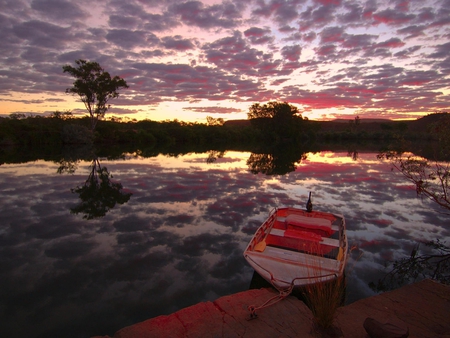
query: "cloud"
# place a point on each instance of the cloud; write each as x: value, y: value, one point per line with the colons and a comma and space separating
x: 59, y: 10
x: 213, y: 110
x: 291, y: 53
x: 392, y: 17
x: 258, y: 36
x: 177, y: 43
x: 131, y: 39
x: 225, y: 15
x: 43, y: 34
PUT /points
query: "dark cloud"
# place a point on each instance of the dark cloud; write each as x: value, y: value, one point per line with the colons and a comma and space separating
x: 177, y: 43
x: 412, y: 31
x: 59, y: 10
x: 258, y: 35
x: 282, y: 11
x: 391, y: 43
x: 291, y: 53
x: 441, y: 51
x: 43, y: 34
x: 225, y: 15
x: 353, y: 14
x: 131, y: 39
x: 332, y: 35
x: 123, y: 21
x: 314, y: 17
x: 392, y: 17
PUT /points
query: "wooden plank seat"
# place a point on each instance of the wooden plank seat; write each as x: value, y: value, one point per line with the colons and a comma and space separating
x: 301, y: 241
x: 320, y: 226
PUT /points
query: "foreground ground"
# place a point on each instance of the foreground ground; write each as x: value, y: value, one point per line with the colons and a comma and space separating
x: 422, y: 308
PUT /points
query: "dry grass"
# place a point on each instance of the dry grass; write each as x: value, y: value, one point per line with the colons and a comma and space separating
x: 323, y: 299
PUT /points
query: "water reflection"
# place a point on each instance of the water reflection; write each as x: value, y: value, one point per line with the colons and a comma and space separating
x: 99, y: 193
x: 180, y: 239
x: 280, y: 161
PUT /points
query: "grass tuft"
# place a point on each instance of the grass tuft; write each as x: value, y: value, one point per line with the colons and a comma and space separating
x: 323, y: 299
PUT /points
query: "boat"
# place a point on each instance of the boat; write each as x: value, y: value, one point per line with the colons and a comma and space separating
x: 295, y: 247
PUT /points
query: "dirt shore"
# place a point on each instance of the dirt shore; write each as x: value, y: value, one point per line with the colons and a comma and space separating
x: 423, y: 308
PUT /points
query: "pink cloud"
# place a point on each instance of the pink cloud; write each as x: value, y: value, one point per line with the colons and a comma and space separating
x: 392, y: 17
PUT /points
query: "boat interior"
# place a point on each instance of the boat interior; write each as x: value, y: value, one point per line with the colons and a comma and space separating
x: 314, y: 233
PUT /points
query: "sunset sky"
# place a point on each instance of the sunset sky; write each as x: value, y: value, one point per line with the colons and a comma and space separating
x: 187, y: 60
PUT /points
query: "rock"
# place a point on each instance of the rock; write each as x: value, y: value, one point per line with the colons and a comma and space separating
x: 375, y: 329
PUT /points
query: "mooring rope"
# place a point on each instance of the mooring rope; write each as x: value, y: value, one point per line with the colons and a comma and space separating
x: 282, y: 294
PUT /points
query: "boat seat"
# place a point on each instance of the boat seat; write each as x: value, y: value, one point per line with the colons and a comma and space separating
x: 323, y: 240
x: 301, y: 223
x: 282, y: 220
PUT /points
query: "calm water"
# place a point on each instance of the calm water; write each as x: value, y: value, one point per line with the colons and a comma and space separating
x: 179, y: 239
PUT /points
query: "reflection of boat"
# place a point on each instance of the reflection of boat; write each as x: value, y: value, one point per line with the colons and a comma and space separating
x: 294, y: 247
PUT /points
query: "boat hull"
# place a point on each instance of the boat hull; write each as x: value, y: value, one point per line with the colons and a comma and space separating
x: 294, y: 248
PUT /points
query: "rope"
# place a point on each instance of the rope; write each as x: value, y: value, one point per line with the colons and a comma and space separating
x: 283, y: 293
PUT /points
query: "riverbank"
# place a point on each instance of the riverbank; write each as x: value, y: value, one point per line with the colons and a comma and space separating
x: 422, y: 308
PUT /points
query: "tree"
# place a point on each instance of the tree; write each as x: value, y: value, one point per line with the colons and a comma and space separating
x: 274, y: 110
x: 211, y: 121
x: 94, y: 86
x: 277, y: 121
x: 62, y: 115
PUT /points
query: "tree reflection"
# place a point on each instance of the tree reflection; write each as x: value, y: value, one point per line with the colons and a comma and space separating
x: 99, y: 194
x: 276, y: 162
x: 354, y: 154
x: 213, y: 155
x: 433, y: 263
x: 67, y: 166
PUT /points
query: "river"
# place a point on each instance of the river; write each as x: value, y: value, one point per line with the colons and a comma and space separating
x: 175, y: 234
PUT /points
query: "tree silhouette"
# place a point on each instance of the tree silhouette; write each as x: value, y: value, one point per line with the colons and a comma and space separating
x: 94, y: 86
x: 277, y: 121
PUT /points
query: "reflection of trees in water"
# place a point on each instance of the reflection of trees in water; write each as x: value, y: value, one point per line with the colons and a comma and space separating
x: 275, y: 163
x: 433, y: 263
x: 213, y: 155
x: 99, y: 194
x: 354, y: 154
x: 67, y: 166
x: 431, y: 180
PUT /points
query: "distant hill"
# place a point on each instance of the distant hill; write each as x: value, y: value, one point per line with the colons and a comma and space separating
x: 371, y: 125
x: 361, y: 120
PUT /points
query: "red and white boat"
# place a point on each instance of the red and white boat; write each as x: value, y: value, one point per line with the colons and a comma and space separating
x: 295, y: 247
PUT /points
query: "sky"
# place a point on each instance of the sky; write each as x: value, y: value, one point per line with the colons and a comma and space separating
x: 187, y: 60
